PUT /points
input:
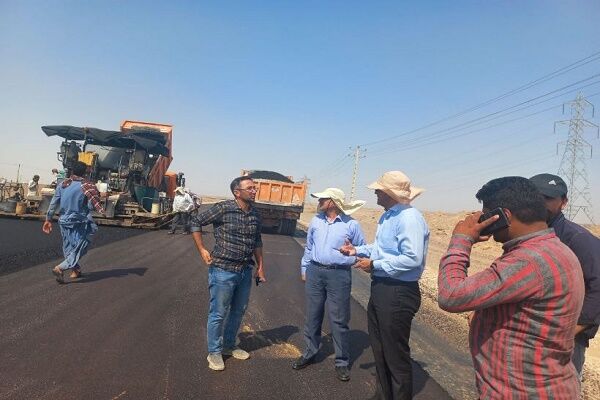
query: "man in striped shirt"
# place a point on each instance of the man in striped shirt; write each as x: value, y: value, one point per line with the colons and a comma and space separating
x: 526, y: 303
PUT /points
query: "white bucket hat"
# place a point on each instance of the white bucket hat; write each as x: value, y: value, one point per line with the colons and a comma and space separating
x: 338, y: 196
x: 397, y: 185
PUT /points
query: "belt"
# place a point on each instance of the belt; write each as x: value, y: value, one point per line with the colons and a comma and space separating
x: 393, y: 281
x: 333, y: 266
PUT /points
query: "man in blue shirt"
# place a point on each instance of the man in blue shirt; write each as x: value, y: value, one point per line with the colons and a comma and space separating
x: 328, y: 276
x: 396, y: 261
x: 74, y: 198
x: 587, y: 249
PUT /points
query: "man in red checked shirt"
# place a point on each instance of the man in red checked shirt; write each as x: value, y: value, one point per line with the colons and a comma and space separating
x: 526, y: 303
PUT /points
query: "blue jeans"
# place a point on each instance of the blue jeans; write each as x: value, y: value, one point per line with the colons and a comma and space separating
x: 229, y: 295
x: 333, y: 286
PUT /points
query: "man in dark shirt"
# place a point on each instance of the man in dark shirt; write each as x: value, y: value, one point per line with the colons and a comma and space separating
x: 587, y: 249
x: 236, y: 226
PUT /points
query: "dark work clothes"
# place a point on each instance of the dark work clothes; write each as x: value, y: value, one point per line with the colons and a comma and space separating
x: 586, y: 247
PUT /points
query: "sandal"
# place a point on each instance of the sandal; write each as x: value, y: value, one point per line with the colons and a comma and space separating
x: 58, y: 275
x: 76, y: 273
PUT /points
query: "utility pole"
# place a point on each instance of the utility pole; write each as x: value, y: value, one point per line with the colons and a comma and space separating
x: 357, y: 153
x: 573, y: 162
x: 306, y: 179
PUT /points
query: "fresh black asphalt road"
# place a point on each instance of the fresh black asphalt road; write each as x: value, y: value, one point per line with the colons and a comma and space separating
x: 134, y: 327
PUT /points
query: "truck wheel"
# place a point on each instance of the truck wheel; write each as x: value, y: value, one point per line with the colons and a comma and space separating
x: 287, y: 227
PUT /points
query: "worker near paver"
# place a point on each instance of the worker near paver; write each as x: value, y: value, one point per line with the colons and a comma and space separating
x: 183, y: 204
x: 57, y: 177
x: 238, y: 248
x: 74, y: 199
x: 396, y: 262
x: 32, y: 186
x: 328, y: 276
x: 526, y: 303
x: 587, y: 249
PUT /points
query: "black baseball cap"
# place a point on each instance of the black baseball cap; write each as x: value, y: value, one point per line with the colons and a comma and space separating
x: 550, y: 185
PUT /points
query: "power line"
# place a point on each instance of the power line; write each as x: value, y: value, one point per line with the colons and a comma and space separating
x: 560, y: 71
x: 339, y: 161
x: 490, y: 169
x: 443, y: 133
x: 511, y: 109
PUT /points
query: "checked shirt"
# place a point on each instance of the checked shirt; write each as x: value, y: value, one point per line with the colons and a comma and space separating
x: 237, y: 234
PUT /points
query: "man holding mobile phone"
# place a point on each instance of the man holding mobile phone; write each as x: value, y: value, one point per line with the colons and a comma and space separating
x: 526, y: 303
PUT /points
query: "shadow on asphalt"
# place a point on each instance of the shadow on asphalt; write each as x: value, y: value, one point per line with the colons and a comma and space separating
x: 93, y: 276
x: 420, y: 377
x: 252, y: 341
x: 23, y: 245
x: 359, y: 342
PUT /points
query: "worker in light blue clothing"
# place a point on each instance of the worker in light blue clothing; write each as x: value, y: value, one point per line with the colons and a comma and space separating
x: 74, y: 198
x: 328, y: 277
x: 396, y: 261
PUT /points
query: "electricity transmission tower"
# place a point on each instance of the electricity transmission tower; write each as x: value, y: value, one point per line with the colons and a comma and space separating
x: 357, y: 153
x: 573, y: 162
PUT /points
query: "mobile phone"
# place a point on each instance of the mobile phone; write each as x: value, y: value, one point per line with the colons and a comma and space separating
x: 500, y: 223
x: 257, y: 280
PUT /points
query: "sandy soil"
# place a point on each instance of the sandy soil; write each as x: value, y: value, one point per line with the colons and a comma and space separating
x: 455, y: 325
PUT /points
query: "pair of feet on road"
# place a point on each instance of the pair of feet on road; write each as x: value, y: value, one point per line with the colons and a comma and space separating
x: 215, y: 360
x: 60, y: 277
x: 342, y: 372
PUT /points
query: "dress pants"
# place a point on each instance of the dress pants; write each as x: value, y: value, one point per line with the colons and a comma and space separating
x: 392, y: 307
x: 331, y: 286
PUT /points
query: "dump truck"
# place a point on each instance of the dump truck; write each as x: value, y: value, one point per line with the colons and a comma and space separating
x: 279, y: 200
x: 129, y: 167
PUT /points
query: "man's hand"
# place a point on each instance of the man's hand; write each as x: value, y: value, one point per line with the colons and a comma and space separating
x: 364, y: 264
x: 347, y: 249
x: 260, y: 273
x: 47, y: 227
x: 303, y: 277
x: 580, y: 328
x: 470, y: 226
x: 205, y: 254
x: 470, y: 317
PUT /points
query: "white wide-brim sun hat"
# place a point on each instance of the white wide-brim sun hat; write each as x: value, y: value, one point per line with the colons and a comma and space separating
x: 338, y: 197
x: 397, y: 185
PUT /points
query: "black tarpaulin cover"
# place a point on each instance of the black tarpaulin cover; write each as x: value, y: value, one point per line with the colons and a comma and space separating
x: 152, y: 141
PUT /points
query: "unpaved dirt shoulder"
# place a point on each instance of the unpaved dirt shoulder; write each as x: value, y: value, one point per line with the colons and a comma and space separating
x: 454, y: 327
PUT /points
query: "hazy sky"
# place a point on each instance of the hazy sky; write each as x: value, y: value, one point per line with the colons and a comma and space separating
x: 291, y: 86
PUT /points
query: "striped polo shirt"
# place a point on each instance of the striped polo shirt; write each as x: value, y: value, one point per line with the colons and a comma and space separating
x: 526, y: 308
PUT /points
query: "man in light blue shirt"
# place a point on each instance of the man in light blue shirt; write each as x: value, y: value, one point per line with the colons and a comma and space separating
x: 396, y: 261
x: 328, y: 276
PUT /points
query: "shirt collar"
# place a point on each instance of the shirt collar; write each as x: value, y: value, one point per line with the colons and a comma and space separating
x: 517, y: 241
x: 397, y: 208
x: 337, y: 218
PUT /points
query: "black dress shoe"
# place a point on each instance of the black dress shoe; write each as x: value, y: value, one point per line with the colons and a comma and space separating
x: 343, y: 374
x: 301, y: 362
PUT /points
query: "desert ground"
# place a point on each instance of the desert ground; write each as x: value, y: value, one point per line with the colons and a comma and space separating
x: 441, y: 225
